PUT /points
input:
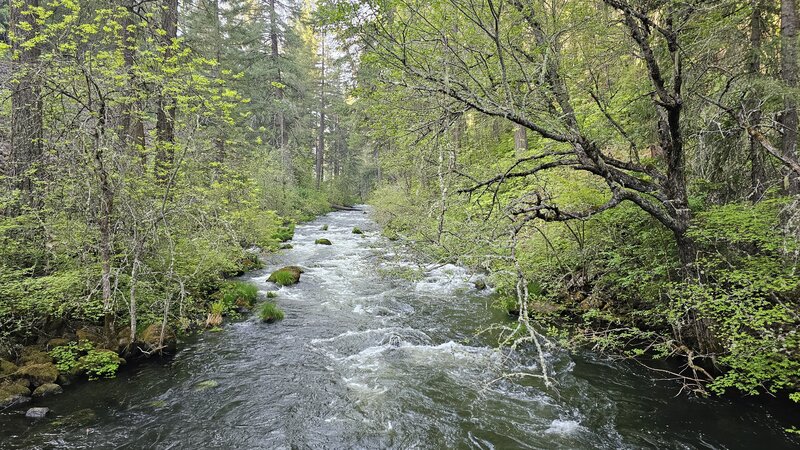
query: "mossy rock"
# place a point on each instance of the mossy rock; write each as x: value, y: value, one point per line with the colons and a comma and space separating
x: 324, y: 227
x: 7, y: 368
x: 34, y: 355
x: 323, y: 241
x: 357, y: 230
x: 92, y: 335
x: 46, y: 390
x: 152, y: 335
x: 479, y: 284
x: 8, y: 389
x: 286, y: 276
x: 56, y: 342
x: 8, y: 400
x: 286, y: 246
x: 38, y: 374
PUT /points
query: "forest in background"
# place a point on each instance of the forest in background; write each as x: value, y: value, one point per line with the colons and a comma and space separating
x: 625, y: 171
x: 150, y: 149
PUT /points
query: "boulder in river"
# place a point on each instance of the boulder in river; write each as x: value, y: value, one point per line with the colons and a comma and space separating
x: 357, y: 230
x: 37, y: 413
x: 13, y: 394
x: 286, y: 276
x: 47, y: 390
x: 323, y: 241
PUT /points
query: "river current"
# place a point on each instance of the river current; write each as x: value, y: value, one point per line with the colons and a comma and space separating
x: 367, y: 358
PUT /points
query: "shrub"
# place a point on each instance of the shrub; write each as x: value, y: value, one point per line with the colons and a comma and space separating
x: 66, y: 356
x: 100, y: 364
x: 270, y: 312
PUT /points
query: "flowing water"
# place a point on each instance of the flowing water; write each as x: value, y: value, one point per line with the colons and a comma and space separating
x: 369, y: 359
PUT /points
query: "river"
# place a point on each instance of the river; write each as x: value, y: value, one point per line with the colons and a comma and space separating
x: 369, y: 359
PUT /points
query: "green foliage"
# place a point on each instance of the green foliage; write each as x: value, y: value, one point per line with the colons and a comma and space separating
x: 272, y: 294
x: 66, y: 356
x: 100, y: 364
x: 237, y: 294
x: 270, y: 312
x: 284, y: 233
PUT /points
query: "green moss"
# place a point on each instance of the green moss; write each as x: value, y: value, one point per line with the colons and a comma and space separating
x: 270, y: 312
x: 272, y: 294
x: 357, y: 230
x: 286, y: 276
x: 324, y: 227
x: 7, y: 367
x: 322, y: 241
x: 38, y: 374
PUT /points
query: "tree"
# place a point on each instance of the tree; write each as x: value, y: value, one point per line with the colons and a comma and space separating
x: 26, y: 96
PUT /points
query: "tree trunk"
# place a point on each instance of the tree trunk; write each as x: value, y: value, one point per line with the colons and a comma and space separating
x: 520, y: 140
x: 320, y: 161
x: 789, y: 119
x: 758, y: 175
x: 280, y: 117
x: 26, y: 101
x: 131, y: 130
x: 165, y: 116
x: 219, y: 140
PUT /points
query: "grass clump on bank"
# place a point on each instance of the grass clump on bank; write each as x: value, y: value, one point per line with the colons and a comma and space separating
x: 270, y: 313
x: 238, y: 294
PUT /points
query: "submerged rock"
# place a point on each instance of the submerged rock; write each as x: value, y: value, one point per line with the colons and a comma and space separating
x: 286, y: 276
x: 47, y: 390
x: 323, y: 241
x: 207, y: 384
x: 480, y: 284
x: 37, y: 413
